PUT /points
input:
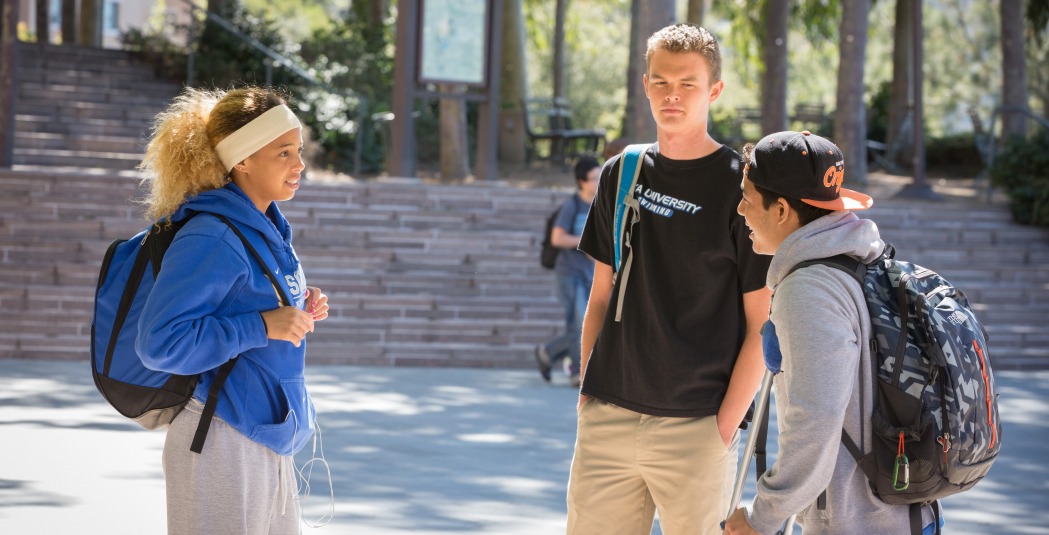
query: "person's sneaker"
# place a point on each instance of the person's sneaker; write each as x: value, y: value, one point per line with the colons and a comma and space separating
x: 542, y: 358
x: 566, y: 366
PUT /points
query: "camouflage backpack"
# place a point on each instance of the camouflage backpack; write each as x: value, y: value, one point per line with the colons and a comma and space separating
x: 936, y: 429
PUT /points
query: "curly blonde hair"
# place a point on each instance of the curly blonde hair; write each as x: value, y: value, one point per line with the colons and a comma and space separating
x: 685, y: 37
x: 180, y: 159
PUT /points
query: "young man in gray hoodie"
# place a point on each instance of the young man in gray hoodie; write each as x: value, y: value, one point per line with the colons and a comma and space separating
x: 797, y: 210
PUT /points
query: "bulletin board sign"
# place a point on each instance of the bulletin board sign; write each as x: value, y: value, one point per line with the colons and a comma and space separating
x: 453, y: 42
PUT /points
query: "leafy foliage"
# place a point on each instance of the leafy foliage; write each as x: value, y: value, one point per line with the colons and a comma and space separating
x: 347, y: 53
x: 1021, y: 170
x: 597, y: 37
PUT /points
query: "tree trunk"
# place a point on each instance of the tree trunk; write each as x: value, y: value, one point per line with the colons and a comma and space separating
x: 513, y: 88
x: 901, y: 99
x: 8, y: 78
x: 454, y: 157
x: 559, y: 49
x: 90, y: 33
x: 850, y: 124
x: 377, y: 12
x: 697, y: 11
x: 649, y: 17
x: 218, y: 7
x: 43, y: 22
x: 1014, y: 68
x: 68, y: 22
x: 774, y: 78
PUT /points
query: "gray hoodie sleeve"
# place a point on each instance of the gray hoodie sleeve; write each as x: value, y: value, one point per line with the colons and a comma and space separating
x: 817, y: 325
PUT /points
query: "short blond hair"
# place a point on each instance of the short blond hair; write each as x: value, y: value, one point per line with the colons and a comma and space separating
x: 683, y: 38
x: 180, y: 159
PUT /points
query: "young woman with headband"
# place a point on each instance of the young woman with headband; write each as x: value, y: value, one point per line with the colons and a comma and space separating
x: 230, y: 154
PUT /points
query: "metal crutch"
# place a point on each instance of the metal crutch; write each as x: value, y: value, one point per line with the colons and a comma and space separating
x: 760, y: 409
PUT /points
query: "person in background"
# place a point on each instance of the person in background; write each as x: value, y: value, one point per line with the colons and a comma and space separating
x: 575, y: 273
x: 233, y: 154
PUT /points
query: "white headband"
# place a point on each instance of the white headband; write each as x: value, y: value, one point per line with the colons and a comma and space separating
x: 258, y: 133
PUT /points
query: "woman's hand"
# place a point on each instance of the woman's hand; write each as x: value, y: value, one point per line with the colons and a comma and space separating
x: 316, y: 303
x: 289, y: 324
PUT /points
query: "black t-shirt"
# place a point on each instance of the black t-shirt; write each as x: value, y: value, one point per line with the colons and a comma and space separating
x: 682, y: 319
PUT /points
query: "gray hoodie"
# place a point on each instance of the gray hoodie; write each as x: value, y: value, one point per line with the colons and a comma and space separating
x: 823, y: 326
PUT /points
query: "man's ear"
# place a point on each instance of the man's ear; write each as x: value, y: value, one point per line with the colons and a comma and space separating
x: 783, y: 211
x: 715, y: 90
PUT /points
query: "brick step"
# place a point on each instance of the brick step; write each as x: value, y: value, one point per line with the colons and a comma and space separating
x: 84, y: 127
x: 73, y: 111
x: 81, y: 142
x: 1028, y: 358
x: 77, y: 52
x: 75, y: 158
x: 83, y: 59
x: 52, y: 86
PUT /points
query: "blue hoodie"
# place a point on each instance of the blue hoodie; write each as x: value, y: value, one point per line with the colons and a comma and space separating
x: 205, y: 308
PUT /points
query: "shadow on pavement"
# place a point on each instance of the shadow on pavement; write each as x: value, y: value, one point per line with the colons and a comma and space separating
x: 411, y: 450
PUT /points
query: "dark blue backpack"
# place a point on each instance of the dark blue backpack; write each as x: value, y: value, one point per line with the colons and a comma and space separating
x: 149, y: 397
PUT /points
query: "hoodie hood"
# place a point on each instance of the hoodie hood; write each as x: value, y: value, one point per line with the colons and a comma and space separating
x: 840, y: 232
x: 231, y: 202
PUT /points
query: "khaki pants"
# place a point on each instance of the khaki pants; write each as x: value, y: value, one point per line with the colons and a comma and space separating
x: 627, y: 465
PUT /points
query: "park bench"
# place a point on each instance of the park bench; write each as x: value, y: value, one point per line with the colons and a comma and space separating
x: 811, y: 117
x: 549, y: 121
x: 747, y: 125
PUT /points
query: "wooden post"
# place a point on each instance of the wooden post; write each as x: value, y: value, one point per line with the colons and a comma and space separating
x: 403, y: 161
x: 8, y: 80
x: 486, y: 165
x: 918, y: 188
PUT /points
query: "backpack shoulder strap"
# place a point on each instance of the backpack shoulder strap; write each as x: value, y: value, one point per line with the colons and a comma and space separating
x: 627, y: 214
x: 629, y: 168
x: 258, y: 258
x: 212, y: 402
x: 856, y: 269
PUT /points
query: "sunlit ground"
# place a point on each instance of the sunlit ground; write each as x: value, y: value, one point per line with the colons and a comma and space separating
x: 411, y: 450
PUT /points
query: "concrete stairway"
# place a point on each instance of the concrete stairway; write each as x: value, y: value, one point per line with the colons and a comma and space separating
x: 84, y: 108
x: 416, y: 274
x: 448, y: 275
x: 1002, y: 267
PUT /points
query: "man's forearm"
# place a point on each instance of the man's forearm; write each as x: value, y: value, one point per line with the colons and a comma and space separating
x: 750, y: 364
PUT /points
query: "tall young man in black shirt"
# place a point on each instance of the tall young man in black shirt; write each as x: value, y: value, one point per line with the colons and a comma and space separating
x: 666, y: 385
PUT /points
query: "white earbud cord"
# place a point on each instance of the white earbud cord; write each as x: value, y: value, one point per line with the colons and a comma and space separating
x: 306, y: 472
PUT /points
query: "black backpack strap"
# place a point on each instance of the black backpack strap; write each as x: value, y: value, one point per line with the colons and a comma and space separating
x: 223, y: 372
x: 130, y: 289
x: 856, y: 269
x: 258, y: 258
x: 761, y: 443
x: 210, y: 405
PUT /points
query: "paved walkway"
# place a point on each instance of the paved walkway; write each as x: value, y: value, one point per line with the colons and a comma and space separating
x: 411, y: 450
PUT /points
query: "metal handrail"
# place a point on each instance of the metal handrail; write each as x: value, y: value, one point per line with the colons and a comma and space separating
x: 992, y: 146
x: 284, y: 62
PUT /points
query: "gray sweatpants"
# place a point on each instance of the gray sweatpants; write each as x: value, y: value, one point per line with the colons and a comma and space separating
x: 235, y: 486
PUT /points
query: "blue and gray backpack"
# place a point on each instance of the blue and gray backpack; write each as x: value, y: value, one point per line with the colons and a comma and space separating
x: 627, y: 214
x: 936, y: 429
